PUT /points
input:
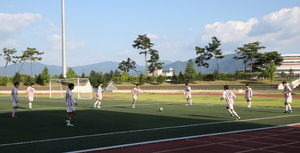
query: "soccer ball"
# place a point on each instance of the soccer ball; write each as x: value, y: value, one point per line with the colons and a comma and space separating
x: 160, y: 109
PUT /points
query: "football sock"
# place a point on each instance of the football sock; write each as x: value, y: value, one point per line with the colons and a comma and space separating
x: 249, y: 104
x: 14, y: 112
x: 235, y: 114
x: 229, y: 111
x: 99, y: 104
x: 191, y: 102
x: 286, y: 107
x: 68, y: 121
x: 30, y: 105
x: 96, y: 103
x: 289, y: 106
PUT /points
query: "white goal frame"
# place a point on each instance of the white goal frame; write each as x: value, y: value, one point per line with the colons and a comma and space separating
x: 82, y: 89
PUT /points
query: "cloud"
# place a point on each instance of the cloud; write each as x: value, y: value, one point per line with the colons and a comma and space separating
x: 75, y: 45
x: 154, y: 36
x: 277, y: 30
x: 10, y: 43
x: 125, y: 52
x: 282, y: 26
x: 15, y: 23
x: 55, y: 42
x: 230, y: 31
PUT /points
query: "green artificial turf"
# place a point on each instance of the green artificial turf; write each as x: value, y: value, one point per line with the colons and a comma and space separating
x: 44, y: 129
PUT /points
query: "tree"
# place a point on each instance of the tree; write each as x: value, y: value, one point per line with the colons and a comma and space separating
x: 44, y: 77
x: 95, y: 78
x: 180, y: 77
x: 213, y: 48
x: 154, y: 64
x: 142, y: 79
x: 127, y: 65
x: 262, y: 60
x: 160, y: 79
x: 190, y: 72
x: 17, y: 78
x: 28, y: 55
x: 204, y: 55
x: 143, y: 43
x: 248, y: 52
x: 7, y: 54
x: 271, y: 71
x: 71, y: 73
x: 291, y: 74
x: 28, y: 81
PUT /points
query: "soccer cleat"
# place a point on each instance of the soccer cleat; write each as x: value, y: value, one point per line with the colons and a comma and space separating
x: 98, y: 107
x: 132, y: 106
x: 232, y: 115
x: 248, y: 106
x: 30, y: 108
x: 69, y: 124
x: 286, y: 112
x: 14, y: 117
x: 238, y: 118
x: 291, y: 111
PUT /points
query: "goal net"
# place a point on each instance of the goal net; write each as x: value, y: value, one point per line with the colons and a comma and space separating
x: 82, y: 89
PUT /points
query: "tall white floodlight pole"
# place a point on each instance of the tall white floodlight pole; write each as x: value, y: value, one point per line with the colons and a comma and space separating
x: 64, y: 61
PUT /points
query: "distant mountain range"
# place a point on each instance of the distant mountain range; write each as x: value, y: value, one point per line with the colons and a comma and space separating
x: 227, y: 65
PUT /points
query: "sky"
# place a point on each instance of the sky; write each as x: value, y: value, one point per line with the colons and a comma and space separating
x: 104, y: 30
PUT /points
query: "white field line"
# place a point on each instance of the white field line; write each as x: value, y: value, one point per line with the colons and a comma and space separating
x: 180, y: 138
x: 143, y: 130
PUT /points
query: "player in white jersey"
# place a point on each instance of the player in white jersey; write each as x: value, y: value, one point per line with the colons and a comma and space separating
x: 70, y: 102
x: 248, y: 95
x: 188, y: 94
x: 15, y: 99
x: 99, y: 96
x: 229, y: 96
x: 30, y: 92
x: 287, y: 91
x: 135, y: 92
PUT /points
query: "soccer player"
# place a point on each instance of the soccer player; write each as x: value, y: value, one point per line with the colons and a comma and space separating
x: 30, y: 93
x: 15, y: 99
x: 248, y: 95
x: 70, y: 102
x: 135, y: 92
x: 99, y: 96
x: 287, y: 97
x: 188, y: 95
x: 229, y: 96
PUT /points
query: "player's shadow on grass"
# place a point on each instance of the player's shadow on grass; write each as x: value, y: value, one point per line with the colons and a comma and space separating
x: 267, y: 111
x: 203, y: 116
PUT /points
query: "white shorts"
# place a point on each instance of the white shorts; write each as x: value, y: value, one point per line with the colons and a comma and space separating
x: 70, y: 109
x: 15, y: 104
x: 134, y: 97
x: 188, y: 96
x: 30, y: 98
x: 288, y: 99
x: 248, y: 98
x: 99, y: 97
x: 230, y: 106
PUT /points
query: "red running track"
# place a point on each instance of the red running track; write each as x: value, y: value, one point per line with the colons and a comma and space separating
x: 277, y: 140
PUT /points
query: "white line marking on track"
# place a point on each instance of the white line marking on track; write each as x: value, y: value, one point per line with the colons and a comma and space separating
x: 180, y: 138
x: 143, y: 130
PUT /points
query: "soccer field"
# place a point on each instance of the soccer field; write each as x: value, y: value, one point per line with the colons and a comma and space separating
x: 44, y: 129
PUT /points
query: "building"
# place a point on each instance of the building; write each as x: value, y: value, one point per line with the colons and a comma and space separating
x: 162, y: 72
x: 290, y: 61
